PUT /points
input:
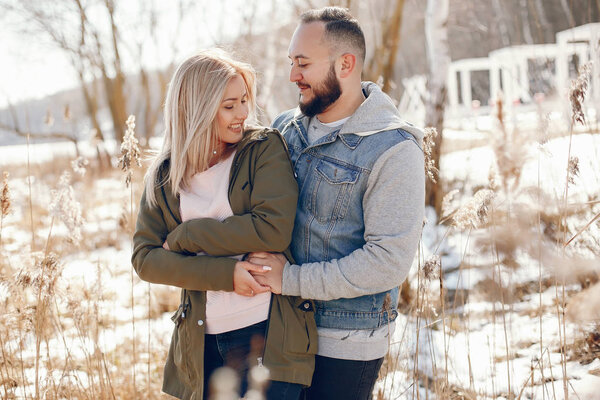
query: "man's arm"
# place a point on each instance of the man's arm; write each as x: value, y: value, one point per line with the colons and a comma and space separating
x: 393, y: 213
x: 269, y: 224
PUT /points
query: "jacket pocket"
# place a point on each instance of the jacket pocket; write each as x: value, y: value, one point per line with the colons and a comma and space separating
x: 181, y: 343
x: 332, y: 190
x: 300, y: 327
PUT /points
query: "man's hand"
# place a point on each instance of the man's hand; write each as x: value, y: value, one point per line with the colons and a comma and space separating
x: 166, y: 245
x: 243, y: 283
x: 272, y: 277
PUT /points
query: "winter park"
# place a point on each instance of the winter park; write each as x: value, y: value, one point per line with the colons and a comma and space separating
x: 485, y: 287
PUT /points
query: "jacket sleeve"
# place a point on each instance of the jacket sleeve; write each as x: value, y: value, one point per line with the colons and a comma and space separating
x: 266, y: 227
x: 157, y: 265
x: 393, y: 207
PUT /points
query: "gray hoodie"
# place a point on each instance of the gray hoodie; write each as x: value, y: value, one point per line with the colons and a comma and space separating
x: 393, y: 207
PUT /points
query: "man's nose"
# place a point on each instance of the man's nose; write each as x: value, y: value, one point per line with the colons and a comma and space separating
x: 295, y: 74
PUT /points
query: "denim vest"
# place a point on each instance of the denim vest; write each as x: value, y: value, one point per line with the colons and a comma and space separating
x: 332, y: 176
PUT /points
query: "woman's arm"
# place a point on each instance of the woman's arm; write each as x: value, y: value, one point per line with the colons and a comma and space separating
x: 266, y: 227
x: 157, y: 265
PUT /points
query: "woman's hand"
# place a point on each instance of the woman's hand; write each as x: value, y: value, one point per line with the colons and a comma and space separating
x: 166, y: 245
x: 273, y: 275
x: 244, y: 283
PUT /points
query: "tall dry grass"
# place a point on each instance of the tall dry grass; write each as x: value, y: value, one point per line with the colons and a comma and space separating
x: 60, y: 339
x: 515, y: 226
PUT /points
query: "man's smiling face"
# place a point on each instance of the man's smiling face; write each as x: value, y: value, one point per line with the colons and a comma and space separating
x: 312, y: 69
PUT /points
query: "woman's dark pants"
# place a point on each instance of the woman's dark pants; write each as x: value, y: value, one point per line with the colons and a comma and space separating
x: 240, y: 350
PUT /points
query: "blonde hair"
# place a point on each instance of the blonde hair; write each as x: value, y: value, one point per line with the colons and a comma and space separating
x: 193, y: 100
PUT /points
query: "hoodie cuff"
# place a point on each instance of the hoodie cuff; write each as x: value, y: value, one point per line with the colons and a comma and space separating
x: 290, y: 285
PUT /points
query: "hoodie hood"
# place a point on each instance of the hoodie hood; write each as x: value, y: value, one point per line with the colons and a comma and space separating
x: 376, y: 114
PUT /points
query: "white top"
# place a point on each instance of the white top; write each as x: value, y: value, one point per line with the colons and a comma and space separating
x: 207, y: 198
x: 318, y: 129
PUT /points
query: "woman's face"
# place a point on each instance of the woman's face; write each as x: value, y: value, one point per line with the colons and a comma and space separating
x: 233, y: 111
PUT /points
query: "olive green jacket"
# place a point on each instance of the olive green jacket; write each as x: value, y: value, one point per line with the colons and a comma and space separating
x: 263, y: 195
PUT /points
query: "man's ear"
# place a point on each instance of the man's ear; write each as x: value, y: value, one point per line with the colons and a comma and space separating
x: 347, y: 64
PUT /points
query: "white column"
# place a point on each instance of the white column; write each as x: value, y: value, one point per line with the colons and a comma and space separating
x: 465, y: 87
x: 494, y: 80
x: 562, y: 69
x: 507, y: 86
x: 595, y: 58
x: 451, y: 85
x: 523, y: 79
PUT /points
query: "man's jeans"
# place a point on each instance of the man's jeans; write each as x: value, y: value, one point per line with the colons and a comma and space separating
x: 336, y: 379
x: 239, y: 350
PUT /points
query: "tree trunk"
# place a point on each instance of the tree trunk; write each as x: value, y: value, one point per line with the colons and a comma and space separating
x: 567, y: 10
x: 544, y: 27
x: 119, y: 101
x: 438, y: 59
x: 504, y: 36
x: 91, y: 106
x: 147, y: 99
x: 527, y: 36
x: 383, y: 61
x: 393, y: 36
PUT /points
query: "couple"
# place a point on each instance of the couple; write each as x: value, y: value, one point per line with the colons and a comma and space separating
x: 289, y: 242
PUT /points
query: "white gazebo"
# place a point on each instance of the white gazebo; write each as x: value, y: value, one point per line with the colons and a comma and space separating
x: 510, y: 76
x: 463, y: 69
x: 509, y: 70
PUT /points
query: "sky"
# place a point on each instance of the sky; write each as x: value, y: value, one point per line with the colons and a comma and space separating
x: 32, y: 68
x: 31, y: 72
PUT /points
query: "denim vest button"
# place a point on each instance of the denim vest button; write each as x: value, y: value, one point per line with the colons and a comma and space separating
x: 200, y: 322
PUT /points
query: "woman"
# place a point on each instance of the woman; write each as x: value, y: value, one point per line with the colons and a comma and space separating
x: 216, y: 190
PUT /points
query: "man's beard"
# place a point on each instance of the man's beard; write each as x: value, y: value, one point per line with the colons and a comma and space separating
x: 323, y: 96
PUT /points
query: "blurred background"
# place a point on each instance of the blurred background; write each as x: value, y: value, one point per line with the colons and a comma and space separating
x: 503, y: 299
x: 99, y: 61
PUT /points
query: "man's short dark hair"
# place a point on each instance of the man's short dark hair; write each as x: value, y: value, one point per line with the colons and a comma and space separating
x: 342, y: 30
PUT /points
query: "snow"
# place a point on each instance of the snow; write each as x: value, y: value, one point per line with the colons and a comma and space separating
x: 474, y: 335
x: 481, y: 339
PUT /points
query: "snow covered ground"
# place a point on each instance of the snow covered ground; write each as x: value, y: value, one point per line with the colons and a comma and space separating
x: 481, y: 349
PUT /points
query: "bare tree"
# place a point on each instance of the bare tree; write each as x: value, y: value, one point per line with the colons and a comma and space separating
x: 383, y: 62
x: 542, y: 23
x: 500, y: 15
x: 567, y: 10
x: 438, y: 58
x: 95, y: 37
x: 527, y: 36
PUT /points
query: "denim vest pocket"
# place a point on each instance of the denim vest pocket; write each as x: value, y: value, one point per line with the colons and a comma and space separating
x: 332, y: 190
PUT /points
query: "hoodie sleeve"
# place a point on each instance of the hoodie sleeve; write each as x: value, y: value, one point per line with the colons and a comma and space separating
x: 393, y: 207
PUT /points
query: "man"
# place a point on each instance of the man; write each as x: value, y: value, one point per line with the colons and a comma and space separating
x: 360, y: 171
